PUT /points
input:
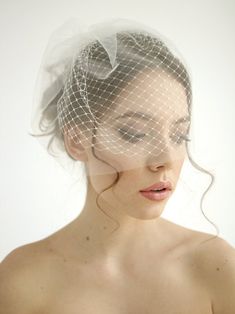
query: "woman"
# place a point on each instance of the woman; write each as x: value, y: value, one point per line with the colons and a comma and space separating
x: 120, y: 103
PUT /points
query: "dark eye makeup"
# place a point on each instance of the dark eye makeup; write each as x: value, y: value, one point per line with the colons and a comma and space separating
x: 134, y: 138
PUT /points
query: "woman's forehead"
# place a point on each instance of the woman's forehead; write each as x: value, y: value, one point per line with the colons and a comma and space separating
x: 155, y: 94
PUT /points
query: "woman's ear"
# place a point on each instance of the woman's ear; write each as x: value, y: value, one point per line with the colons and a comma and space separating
x: 74, y: 146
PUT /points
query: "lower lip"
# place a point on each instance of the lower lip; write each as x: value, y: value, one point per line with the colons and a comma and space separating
x: 156, y: 196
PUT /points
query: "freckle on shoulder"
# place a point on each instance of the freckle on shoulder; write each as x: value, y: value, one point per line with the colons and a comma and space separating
x: 211, y: 253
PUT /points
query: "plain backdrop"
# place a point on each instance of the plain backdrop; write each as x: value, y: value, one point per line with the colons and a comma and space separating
x: 36, y: 194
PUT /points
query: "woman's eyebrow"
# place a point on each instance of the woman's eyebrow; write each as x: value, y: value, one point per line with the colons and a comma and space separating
x: 148, y: 117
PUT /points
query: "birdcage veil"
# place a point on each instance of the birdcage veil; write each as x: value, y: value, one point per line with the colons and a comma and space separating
x: 112, y: 84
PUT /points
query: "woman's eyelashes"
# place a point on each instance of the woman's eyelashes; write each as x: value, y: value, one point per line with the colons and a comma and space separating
x: 136, y: 137
x: 130, y: 137
x: 181, y: 138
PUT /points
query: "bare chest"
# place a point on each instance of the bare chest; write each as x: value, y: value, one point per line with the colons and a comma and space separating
x: 167, y: 289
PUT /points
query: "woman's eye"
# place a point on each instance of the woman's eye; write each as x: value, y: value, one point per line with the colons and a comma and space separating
x: 134, y: 138
x: 182, y: 138
x: 130, y: 137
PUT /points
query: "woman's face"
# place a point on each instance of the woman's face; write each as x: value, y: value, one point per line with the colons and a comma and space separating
x: 155, y: 152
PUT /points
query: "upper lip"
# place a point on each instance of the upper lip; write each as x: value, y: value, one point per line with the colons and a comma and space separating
x: 159, y: 186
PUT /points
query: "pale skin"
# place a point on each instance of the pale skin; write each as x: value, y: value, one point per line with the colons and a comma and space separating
x: 139, y: 218
x: 148, y: 265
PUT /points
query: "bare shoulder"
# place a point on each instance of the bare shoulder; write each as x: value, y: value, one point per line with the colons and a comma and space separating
x: 211, y: 253
x: 214, y: 260
x: 207, y: 251
x: 23, y: 276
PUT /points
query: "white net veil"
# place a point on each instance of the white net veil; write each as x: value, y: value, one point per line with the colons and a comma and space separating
x: 118, y: 89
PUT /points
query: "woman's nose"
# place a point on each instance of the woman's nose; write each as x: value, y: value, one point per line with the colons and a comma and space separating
x: 163, y: 160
